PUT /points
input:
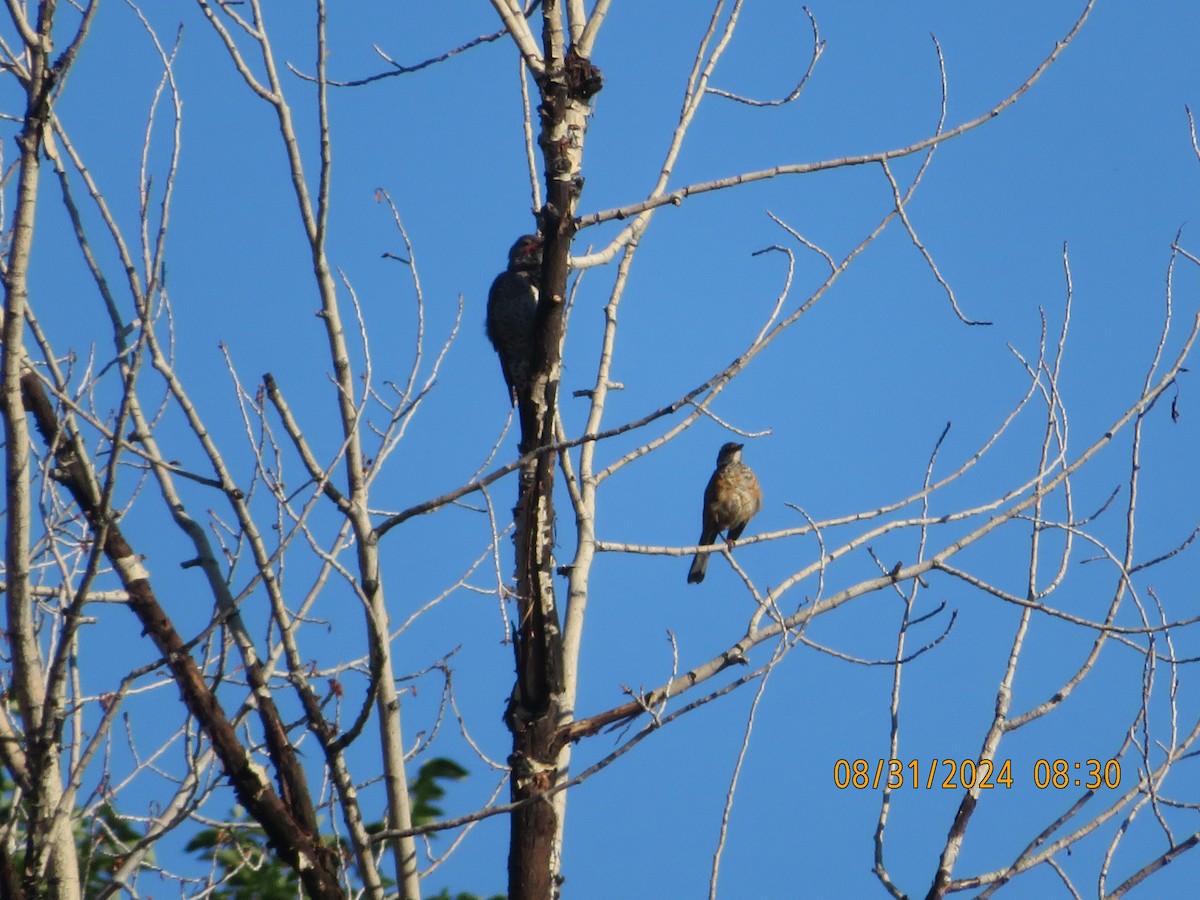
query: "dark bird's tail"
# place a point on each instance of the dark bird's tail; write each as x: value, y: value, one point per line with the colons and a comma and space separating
x: 700, y: 561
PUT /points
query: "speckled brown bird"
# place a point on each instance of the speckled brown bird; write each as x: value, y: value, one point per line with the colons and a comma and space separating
x: 730, y: 502
x: 512, y: 312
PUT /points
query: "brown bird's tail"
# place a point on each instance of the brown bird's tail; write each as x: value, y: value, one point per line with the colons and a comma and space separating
x: 700, y: 561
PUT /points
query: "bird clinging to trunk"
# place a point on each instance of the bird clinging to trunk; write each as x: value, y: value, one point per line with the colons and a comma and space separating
x: 512, y: 313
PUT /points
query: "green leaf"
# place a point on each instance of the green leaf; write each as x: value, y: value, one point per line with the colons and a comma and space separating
x: 425, y: 788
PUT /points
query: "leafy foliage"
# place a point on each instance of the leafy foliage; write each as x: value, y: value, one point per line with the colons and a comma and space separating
x: 249, y: 870
x: 102, y: 841
x: 425, y: 788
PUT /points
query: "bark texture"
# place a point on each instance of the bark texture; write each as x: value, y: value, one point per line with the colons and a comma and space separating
x: 535, y: 712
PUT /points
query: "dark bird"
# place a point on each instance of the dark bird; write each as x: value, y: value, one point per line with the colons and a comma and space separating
x: 730, y: 502
x: 512, y: 312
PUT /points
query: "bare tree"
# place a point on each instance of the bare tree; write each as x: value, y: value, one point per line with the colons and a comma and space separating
x: 284, y: 499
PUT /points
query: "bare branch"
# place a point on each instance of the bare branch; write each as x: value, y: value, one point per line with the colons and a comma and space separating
x: 677, y: 196
x: 818, y: 47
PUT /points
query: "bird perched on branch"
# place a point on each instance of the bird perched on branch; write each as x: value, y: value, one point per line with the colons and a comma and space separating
x: 512, y: 312
x: 730, y: 502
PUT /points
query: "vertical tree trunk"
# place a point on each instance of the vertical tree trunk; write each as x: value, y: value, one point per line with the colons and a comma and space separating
x: 535, y: 710
x: 51, y: 865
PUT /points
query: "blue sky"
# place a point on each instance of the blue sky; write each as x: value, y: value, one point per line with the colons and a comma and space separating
x: 1097, y: 156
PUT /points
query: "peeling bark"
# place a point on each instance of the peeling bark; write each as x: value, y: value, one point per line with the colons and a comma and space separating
x: 535, y: 711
